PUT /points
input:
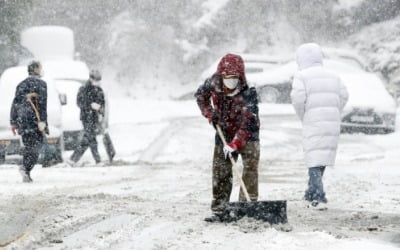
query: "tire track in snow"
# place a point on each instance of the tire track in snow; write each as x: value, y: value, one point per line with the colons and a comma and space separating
x: 156, y: 146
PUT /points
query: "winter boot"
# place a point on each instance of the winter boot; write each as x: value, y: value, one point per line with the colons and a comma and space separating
x: 30, y: 178
x: 213, y: 218
x: 322, y: 206
x: 70, y: 162
x: 315, y: 191
x: 25, y: 175
x: 99, y: 164
x: 316, y: 205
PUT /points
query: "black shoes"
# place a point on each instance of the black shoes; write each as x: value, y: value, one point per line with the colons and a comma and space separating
x: 213, y: 218
x: 26, y: 176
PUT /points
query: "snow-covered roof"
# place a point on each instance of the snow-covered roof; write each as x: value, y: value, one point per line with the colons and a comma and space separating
x: 49, y: 42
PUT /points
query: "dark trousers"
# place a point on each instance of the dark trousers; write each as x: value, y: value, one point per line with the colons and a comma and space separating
x: 88, y: 141
x: 222, y: 174
x: 315, y: 190
x: 32, y: 144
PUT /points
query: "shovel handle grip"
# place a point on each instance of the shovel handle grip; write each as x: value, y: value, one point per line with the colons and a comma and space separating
x: 29, y: 97
x: 234, y: 166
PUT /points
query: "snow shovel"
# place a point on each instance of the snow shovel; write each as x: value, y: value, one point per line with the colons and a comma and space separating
x: 108, y: 145
x: 273, y: 212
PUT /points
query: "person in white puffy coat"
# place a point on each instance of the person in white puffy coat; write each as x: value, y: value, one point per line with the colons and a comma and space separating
x: 318, y: 96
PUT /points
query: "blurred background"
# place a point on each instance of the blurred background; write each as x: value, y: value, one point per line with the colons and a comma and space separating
x: 156, y: 47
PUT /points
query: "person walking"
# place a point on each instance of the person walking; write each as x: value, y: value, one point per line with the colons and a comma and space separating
x: 91, y: 102
x: 28, y: 117
x: 226, y: 100
x: 318, y: 97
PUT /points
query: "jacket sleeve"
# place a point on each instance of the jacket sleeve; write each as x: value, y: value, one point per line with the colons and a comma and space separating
x: 14, y: 112
x: 298, y: 96
x: 43, y: 102
x: 344, y: 95
x: 15, y: 106
x: 250, y: 120
x: 80, y: 98
x: 100, y: 97
x: 101, y: 100
x: 203, y: 98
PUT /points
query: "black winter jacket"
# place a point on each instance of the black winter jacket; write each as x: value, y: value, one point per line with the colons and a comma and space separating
x: 22, y: 114
x: 88, y: 94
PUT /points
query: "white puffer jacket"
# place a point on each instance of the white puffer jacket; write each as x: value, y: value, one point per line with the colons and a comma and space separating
x: 318, y: 97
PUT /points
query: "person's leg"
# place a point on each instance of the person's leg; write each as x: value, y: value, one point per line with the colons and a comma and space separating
x: 251, y: 156
x: 32, y: 144
x: 82, y: 146
x: 93, y: 145
x: 221, y: 179
x: 315, y: 191
x: 322, y: 170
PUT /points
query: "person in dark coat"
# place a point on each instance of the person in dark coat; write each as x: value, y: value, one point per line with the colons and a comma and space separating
x: 226, y: 99
x: 91, y: 102
x: 30, y: 92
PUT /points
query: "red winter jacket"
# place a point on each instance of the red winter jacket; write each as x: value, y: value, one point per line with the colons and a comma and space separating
x: 238, y: 114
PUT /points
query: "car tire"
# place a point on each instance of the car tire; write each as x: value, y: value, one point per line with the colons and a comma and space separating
x: 346, y: 130
x: 388, y: 130
x: 268, y: 95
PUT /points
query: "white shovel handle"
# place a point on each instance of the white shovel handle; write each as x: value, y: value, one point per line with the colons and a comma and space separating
x: 234, y: 166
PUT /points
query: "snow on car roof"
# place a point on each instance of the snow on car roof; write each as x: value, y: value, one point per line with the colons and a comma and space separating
x: 264, y: 58
x: 49, y: 42
x: 276, y: 75
x: 344, y: 55
x: 367, y: 91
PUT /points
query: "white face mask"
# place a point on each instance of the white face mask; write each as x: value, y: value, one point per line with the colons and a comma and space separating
x: 95, y: 83
x: 231, y: 83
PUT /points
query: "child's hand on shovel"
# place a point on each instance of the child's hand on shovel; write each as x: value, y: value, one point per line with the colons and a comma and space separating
x: 228, y: 150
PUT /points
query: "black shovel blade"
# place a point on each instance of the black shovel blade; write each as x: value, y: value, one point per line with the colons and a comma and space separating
x: 273, y: 212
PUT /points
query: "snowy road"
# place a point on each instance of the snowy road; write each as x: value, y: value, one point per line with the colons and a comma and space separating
x: 158, y: 191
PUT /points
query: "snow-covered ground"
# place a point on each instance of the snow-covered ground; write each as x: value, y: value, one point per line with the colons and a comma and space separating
x: 158, y: 191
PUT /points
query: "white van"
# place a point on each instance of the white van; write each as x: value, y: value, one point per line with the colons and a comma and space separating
x: 54, y: 47
x: 10, y: 144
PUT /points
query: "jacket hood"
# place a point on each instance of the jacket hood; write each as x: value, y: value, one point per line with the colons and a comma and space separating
x: 309, y: 55
x: 232, y: 64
